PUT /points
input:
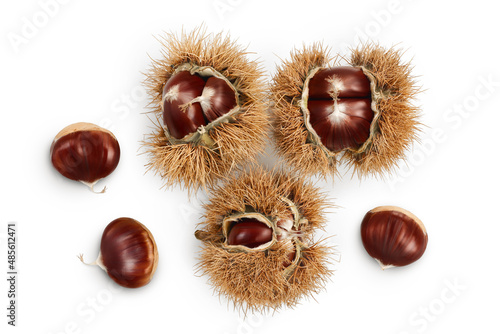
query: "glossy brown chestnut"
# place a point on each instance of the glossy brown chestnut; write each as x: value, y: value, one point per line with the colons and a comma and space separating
x: 339, y: 104
x: 249, y: 232
x: 393, y: 236
x: 191, y: 101
x: 85, y: 152
x: 128, y: 253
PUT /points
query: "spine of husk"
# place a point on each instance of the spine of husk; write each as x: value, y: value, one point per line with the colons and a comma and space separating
x: 257, y: 280
x: 398, y: 126
x: 191, y: 164
x: 292, y: 139
x: 394, y: 128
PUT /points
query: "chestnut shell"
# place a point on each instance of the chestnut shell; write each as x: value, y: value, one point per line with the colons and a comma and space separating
x: 129, y: 252
x: 393, y: 236
x: 85, y: 155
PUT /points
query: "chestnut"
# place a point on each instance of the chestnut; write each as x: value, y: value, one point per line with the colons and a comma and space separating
x: 393, y: 236
x: 128, y: 254
x: 249, y: 232
x: 85, y: 152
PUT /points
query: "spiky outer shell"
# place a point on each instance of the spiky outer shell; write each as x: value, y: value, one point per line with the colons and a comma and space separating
x: 393, y: 90
x: 237, y: 140
x: 257, y: 280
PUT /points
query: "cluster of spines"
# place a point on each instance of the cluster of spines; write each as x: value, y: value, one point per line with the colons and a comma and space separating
x: 255, y: 280
x: 397, y: 126
x: 196, y: 166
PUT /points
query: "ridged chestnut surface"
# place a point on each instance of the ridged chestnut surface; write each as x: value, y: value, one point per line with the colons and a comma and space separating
x: 85, y: 152
x: 393, y: 236
x: 128, y: 253
x: 192, y: 100
x: 250, y: 233
x: 339, y: 105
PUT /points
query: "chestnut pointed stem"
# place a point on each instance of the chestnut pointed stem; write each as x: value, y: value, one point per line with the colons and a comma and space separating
x: 97, y: 262
x: 384, y: 266
x: 91, y: 186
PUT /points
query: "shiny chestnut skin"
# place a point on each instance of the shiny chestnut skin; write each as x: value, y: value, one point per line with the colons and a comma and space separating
x: 191, y: 101
x: 393, y: 236
x: 339, y: 104
x: 128, y: 253
x: 85, y: 152
x: 249, y: 232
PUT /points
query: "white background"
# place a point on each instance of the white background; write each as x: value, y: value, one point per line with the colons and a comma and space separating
x: 84, y: 63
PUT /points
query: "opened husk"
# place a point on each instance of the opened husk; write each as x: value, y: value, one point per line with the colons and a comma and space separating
x: 393, y: 129
x: 213, y: 150
x: 258, y: 279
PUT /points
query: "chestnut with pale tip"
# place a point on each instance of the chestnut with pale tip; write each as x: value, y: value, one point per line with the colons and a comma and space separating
x: 128, y: 254
x: 85, y: 152
x: 393, y: 236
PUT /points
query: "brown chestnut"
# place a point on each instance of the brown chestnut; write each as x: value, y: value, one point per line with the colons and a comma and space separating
x: 249, y: 232
x: 393, y: 236
x: 128, y: 253
x: 339, y: 104
x: 85, y: 152
x: 193, y: 100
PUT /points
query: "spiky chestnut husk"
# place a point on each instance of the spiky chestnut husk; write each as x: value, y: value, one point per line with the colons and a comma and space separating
x: 395, y: 122
x: 280, y: 272
x: 202, y: 157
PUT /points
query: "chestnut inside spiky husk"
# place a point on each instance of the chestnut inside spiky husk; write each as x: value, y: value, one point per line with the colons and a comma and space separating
x: 361, y: 114
x: 273, y: 261
x: 209, y: 109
